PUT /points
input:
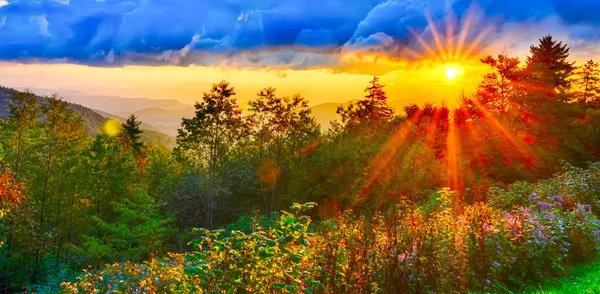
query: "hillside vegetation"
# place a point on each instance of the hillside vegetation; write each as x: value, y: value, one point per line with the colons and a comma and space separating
x: 92, y: 120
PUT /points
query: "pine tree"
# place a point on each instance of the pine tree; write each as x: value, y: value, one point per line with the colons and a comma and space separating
x: 548, y: 69
x: 132, y: 134
x: 376, y: 102
x: 373, y: 109
x: 589, y: 83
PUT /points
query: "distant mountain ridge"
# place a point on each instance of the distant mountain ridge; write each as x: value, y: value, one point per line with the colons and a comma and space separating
x: 92, y: 120
x: 164, y: 115
x: 112, y: 103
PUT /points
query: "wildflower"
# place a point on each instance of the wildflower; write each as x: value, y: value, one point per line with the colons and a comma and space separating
x: 533, y: 197
x: 411, y: 277
x: 487, y: 281
x: 584, y: 209
x: 496, y: 264
x: 544, y: 205
x: 558, y: 200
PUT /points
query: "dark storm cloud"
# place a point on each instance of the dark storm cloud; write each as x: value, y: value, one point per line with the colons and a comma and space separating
x: 241, y: 32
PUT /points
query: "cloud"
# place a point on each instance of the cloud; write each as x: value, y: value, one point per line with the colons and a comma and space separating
x: 285, y: 33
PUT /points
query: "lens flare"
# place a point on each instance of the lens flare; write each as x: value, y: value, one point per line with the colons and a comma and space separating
x: 111, y: 127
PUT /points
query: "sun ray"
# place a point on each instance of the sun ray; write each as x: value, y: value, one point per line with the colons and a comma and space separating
x: 450, y: 36
x: 453, y: 156
x: 495, y: 123
x: 436, y: 37
x: 425, y: 45
x: 384, y: 159
x: 475, y: 43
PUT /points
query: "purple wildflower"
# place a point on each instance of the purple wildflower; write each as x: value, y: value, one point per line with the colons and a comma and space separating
x: 544, y: 205
x: 558, y: 200
x: 533, y: 197
x: 496, y: 264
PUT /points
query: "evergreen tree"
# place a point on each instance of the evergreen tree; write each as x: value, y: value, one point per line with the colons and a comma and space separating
x: 132, y: 134
x: 373, y: 109
x: 137, y: 231
x: 548, y: 70
x: 589, y: 84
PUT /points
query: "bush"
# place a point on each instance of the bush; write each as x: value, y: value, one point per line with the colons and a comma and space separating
x: 523, y: 236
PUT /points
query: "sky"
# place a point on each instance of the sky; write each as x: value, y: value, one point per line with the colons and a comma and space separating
x: 327, y: 50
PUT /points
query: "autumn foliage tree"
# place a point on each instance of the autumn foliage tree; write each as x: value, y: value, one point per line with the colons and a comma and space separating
x: 500, y: 84
x: 11, y: 192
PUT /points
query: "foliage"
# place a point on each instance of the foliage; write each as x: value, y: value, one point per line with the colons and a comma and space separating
x: 589, y: 84
x: 132, y: 134
x: 441, y: 246
x: 373, y: 109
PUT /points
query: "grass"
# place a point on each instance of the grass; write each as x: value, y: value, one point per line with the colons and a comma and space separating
x: 583, y: 279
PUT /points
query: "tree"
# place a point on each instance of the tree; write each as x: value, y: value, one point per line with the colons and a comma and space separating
x: 21, y: 129
x: 132, y: 134
x: 500, y: 85
x: 138, y: 230
x: 589, y: 83
x: 548, y: 69
x: 373, y: 109
x: 207, y: 139
x: 54, y: 181
x: 281, y: 127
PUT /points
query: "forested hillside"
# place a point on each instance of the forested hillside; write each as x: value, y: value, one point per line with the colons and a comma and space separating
x: 495, y: 195
x: 92, y: 120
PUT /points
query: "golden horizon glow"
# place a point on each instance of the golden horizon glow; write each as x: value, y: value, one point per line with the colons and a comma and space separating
x: 418, y: 81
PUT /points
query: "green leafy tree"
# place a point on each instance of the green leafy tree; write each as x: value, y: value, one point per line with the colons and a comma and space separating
x: 282, y: 126
x: 206, y: 140
x: 21, y: 130
x: 54, y: 181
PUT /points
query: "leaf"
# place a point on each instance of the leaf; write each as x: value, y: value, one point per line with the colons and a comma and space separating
x: 193, y: 270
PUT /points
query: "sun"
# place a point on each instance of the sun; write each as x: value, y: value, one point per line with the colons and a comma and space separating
x: 451, y: 73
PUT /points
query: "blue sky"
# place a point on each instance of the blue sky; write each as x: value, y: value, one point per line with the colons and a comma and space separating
x: 261, y: 33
